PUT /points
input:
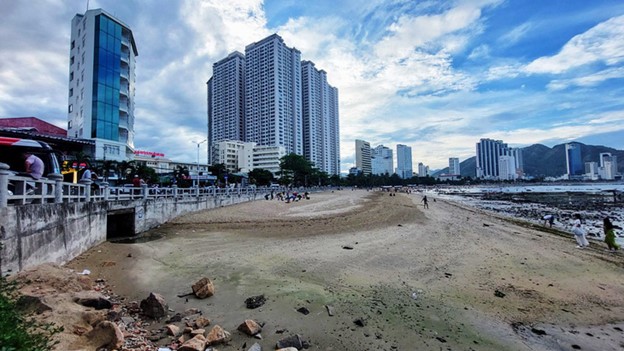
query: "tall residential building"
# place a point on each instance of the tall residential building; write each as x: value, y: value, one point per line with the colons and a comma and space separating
x: 574, y: 162
x: 363, y: 156
x: 381, y: 160
x: 454, y: 166
x: 240, y: 156
x: 488, y: 157
x: 226, y: 102
x: 608, y: 166
x: 488, y: 154
x: 321, y: 136
x: 273, y: 113
x: 423, y: 170
x: 102, y: 84
x: 270, y: 97
x: 404, y: 161
x: 507, y: 167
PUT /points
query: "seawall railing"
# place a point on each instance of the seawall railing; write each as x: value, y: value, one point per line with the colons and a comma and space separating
x: 22, y: 190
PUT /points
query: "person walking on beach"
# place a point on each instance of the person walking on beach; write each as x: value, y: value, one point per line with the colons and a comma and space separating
x: 579, y: 232
x: 550, y: 219
x: 425, y: 202
x: 609, y: 231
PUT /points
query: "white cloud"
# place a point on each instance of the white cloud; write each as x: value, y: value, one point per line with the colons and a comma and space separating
x: 587, y: 80
x: 603, y: 43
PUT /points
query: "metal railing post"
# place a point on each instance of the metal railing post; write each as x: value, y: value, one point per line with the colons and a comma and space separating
x: 87, y: 185
x: 58, y: 187
x: 175, y: 191
x: 4, y: 185
x: 144, y: 191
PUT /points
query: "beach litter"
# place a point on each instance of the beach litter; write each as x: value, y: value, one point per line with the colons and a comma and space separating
x: 255, y: 301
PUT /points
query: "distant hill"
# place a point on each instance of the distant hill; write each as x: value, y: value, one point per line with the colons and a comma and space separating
x: 542, y: 161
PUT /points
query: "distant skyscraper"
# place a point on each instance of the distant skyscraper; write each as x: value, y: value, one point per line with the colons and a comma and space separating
x: 102, y: 83
x: 381, y: 160
x: 321, y: 135
x: 273, y: 114
x: 574, y: 163
x: 488, y: 157
x: 404, y: 161
x: 507, y: 167
x: 488, y: 153
x: 454, y: 166
x: 363, y: 156
x: 226, y: 102
x: 608, y: 166
x: 423, y: 170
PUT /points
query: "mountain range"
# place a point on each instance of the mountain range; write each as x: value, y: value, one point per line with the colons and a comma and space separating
x: 543, y: 161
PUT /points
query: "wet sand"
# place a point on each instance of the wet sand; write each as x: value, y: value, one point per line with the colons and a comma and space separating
x: 422, y: 279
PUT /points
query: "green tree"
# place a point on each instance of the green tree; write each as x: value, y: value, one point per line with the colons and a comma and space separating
x: 261, y: 177
x: 296, y: 168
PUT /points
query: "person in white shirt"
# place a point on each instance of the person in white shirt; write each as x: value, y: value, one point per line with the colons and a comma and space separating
x: 34, y: 166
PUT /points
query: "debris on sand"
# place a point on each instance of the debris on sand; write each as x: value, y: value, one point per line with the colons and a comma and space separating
x: 255, y: 301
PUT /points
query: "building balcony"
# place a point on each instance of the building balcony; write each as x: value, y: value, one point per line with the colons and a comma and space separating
x: 125, y: 42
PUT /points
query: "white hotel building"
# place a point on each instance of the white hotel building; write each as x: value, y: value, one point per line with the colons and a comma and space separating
x: 101, y: 84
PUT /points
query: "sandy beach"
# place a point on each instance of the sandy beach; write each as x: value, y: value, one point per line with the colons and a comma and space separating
x: 445, y: 278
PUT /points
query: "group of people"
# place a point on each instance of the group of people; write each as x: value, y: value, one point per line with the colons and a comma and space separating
x: 580, y: 233
x: 287, y: 196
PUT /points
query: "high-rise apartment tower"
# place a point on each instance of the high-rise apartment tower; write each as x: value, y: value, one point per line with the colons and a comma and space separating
x: 273, y: 113
x: 226, y: 102
x: 363, y: 156
x: 102, y: 83
x: 404, y: 161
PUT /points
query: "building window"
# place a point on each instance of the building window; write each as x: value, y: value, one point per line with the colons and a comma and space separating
x: 69, y: 124
x: 71, y: 92
x: 73, y: 44
x: 70, y: 108
x: 71, y: 60
x: 71, y: 76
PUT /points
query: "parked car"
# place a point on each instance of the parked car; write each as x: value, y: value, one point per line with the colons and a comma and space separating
x: 11, y: 150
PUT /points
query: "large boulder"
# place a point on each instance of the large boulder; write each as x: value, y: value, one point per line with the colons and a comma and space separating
x: 203, y: 288
x: 106, y: 335
x: 154, y: 306
x: 198, y: 343
x: 217, y: 336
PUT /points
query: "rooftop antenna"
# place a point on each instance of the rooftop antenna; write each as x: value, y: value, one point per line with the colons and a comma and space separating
x: 87, y: 5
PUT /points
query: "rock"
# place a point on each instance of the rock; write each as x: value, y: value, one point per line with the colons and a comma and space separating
x: 198, y: 343
x: 217, y: 336
x: 360, y: 322
x: 250, y: 327
x: 154, y: 306
x: 198, y: 332
x: 303, y: 310
x: 32, y: 304
x: 255, y: 301
x: 499, y: 293
x: 291, y: 341
x: 330, y: 310
x: 255, y: 347
x: 347, y: 247
x: 287, y: 349
x: 441, y: 339
x: 258, y: 336
x: 203, y: 288
x: 201, y: 322
x: 106, y: 335
x: 538, y: 331
x: 175, y: 318
x: 99, y: 303
x: 127, y: 320
x: 173, y: 330
x: 93, y: 318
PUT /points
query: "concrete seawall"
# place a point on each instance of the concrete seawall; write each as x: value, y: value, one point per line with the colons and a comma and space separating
x: 34, y: 234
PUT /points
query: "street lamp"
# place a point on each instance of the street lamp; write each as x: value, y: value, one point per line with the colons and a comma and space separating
x: 198, y: 143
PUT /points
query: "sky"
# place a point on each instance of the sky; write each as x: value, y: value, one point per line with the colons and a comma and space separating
x: 434, y: 75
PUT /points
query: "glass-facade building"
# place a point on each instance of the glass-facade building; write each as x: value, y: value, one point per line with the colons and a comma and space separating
x: 101, y: 84
x: 574, y: 162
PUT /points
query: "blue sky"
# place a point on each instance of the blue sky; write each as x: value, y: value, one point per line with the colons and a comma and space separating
x: 435, y: 75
